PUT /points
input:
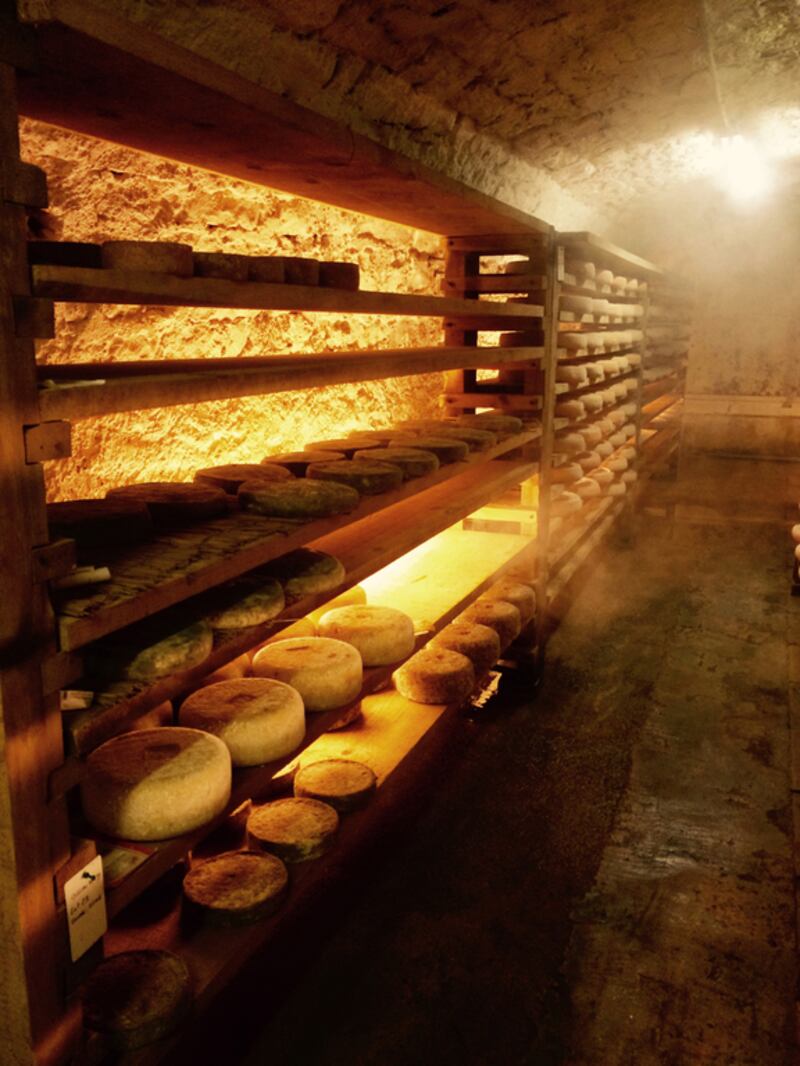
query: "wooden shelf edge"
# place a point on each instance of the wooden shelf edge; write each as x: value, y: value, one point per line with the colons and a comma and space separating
x: 597, y: 248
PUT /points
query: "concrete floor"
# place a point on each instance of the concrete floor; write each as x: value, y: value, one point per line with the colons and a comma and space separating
x: 604, y: 876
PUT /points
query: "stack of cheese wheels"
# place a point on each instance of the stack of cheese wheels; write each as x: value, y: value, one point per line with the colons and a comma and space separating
x: 305, y: 572
x: 446, y: 450
x: 414, y: 462
x: 248, y: 601
x: 259, y: 719
x: 295, y: 829
x: 298, y: 498
x: 435, y: 675
x: 370, y: 477
x: 162, y: 257
x: 156, y: 783
x: 230, y: 477
x: 521, y: 595
x: 237, y: 887
x: 327, y: 673
x: 480, y: 644
x: 97, y: 526
x: 130, y: 657
x: 298, y: 462
x: 174, y: 503
x: 500, y: 615
x: 136, y: 997
x: 344, y: 784
x: 381, y: 635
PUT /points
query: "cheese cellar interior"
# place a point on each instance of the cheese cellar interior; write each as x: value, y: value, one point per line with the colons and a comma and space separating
x: 398, y: 460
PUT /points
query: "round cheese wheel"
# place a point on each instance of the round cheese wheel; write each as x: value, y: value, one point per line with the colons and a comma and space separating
x: 587, y: 460
x: 566, y: 474
x: 522, y: 596
x: 572, y: 374
x: 305, y: 572
x: 327, y: 673
x: 616, y: 418
x: 99, y: 525
x: 298, y: 462
x: 132, y: 658
x: 414, y: 462
x: 230, y: 477
x: 342, y: 783
x: 381, y: 635
x: 595, y: 373
x: 247, y: 601
x: 174, y: 502
x: 227, y: 265
x: 477, y: 440
x: 618, y: 439
x: 571, y: 443
x: 566, y: 504
x: 500, y: 615
x: 257, y: 718
x: 237, y: 887
x: 502, y: 425
x: 367, y: 476
x: 573, y: 409
x: 446, y: 450
x: 617, y: 464
x: 628, y: 453
x: 340, y: 276
x: 480, y: 644
x: 586, y: 488
x: 592, y: 435
x: 156, y: 783
x: 436, y: 675
x: 619, y: 488
x: 604, y: 449
x: 162, y: 257
x: 295, y: 829
x: 796, y: 534
x: 340, y: 448
x: 629, y: 476
x: 602, y: 475
x: 297, y: 498
x: 136, y: 997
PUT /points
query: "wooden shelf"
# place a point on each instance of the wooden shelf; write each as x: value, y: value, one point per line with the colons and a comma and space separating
x: 498, y: 283
x: 583, y: 547
x: 597, y: 386
x: 659, y: 405
x: 433, y: 586
x: 86, y: 390
x: 174, y: 566
x: 153, y: 91
x: 588, y: 246
x: 88, y: 285
x: 568, y: 289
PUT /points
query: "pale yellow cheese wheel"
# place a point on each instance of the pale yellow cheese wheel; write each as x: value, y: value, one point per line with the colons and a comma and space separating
x: 522, y: 596
x: 327, y: 673
x: 259, y: 719
x: 381, y: 635
x: 603, y: 476
x: 156, y: 783
x: 586, y: 488
x: 435, y: 675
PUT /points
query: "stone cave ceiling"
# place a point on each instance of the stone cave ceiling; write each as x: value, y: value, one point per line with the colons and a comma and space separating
x: 609, y: 98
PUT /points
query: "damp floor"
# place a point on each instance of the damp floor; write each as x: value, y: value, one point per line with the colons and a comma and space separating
x: 603, y: 875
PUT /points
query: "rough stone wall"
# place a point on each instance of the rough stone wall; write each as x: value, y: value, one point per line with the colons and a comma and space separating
x: 101, y: 191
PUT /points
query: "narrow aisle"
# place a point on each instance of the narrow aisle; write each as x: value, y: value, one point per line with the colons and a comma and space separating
x: 605, y: 875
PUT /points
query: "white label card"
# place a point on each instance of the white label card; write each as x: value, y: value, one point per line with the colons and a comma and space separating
x: 85, y: 897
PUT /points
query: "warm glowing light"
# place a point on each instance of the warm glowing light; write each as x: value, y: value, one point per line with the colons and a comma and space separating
x: 741, y: 169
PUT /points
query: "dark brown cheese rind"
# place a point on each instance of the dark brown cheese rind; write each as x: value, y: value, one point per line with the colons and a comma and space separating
x: 299, y: 498
x: 175, y: 502
x: 340, y: 276
x: 305, y: 572
x: 230, y: 476
x: 343, y: 783
x: 237, y: 887
x: 296, y: 829
x: 365, y: 476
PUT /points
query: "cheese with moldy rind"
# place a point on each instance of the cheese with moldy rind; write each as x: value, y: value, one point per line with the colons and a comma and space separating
x: 247, y: 601
x: 327, y: 673
x: 343, y: 783
x: 414, y: 462
x: 155, y: 784
x: 436, y: 675
x: 480, y: 644
x: 381, y: 635
x: 236, y: 887
x: 522, y: 596
x: 297, y: 498
x: 232, y: 475
x: 259, y: 719
x: 175, y: 652
x: 295, y: 829
x: 367, y: 476
x: 306, y: 572
x: 500, y: 615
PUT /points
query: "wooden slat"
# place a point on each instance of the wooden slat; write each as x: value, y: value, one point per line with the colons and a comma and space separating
x: 129, y: 387
x: 499, y: 283
x: 85, y: 285
x: 173, y: 567
x: 152, y: 92
x: 502, y: 401
x: 589, y: 246
x: 501, y: 243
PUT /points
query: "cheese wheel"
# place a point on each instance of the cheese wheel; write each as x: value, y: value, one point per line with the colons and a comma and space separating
x: 797, y: 552
x: 98, y: 526
x: 522, y: 596
x: 586, y: 488
x: 581, y: 305
x: 367, y: 476
x: 616, y: 418
x: 480, y: 644
x: 602, y: 475
x: 446, y: 450
x: 340, y: 276
x: 237, y: 887
x: 629, y: 429
x: 566, y: 474
x: 629, y: 476
x: 592, y: 435
x: 162, y: 257
x: 297, y: 498
x: 619, y: 488
x: 258, y: 719
x: 138, y: 657
x: 268, y: 269
x: 617, y: 464
x: 231, y: 476
x: 295, y: 829
x: 618, y: 439
x: 225, y: 265
x: 566, y: 504
x: 587, y: 460
x: 381, y: 635
x: 796, y: 534
x: 604, y: 449
x: 248, y: 601
x: 477, y: 440
x: 414, y: 462
x: 573, y: 409
x: 595, y: 373
x: 305, y: 572
x: 174, y: 502
x: 436, y: 675
x: 343, y: 783
x: 344, y: 447
x: 628, y: 452
x: 572, y: 374
x: 136, y: 997
x: 298, y: 462
x: 571, y: 443
x: 502, y: 425
x: 327, y: 673
x: 500, y: 615
x: 593, y: 402
x: 155, y: 784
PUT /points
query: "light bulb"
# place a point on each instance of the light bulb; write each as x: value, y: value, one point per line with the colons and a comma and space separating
x: 741, y: 169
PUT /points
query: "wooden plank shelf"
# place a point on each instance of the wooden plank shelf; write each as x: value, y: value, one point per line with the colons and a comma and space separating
x: 174, y: 566
x: 597, y: 386
x: 590, y: 247
x: 432, y: 586
x: 658, y: 386
x: 89, y: 285
x: 511, y: 402
x: 612, y: 297
x: 86, y: 390
x: 497, y: 283
x: 607, y: 321
x: 660, y: 405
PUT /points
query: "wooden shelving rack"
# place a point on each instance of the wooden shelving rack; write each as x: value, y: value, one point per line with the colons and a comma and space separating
x: 464, y: 525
